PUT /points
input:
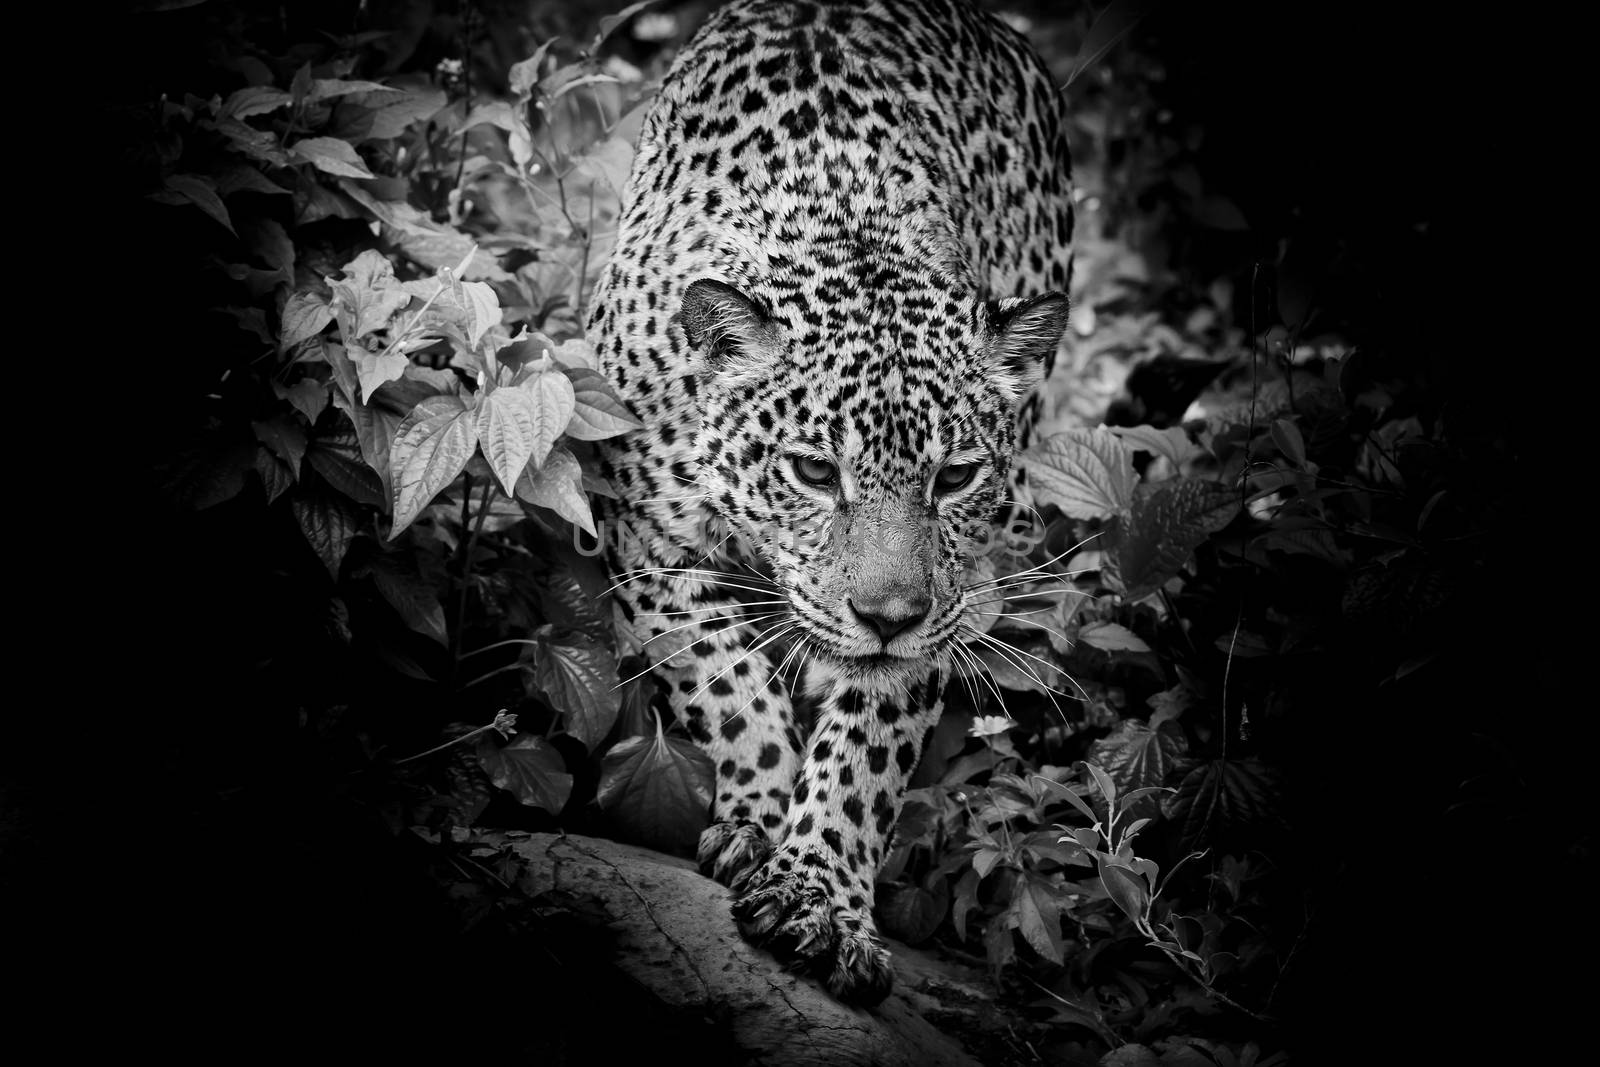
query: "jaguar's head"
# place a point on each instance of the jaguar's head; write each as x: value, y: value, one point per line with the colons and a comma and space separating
x: 860, y: 446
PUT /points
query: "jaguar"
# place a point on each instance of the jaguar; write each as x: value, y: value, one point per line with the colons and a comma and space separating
x: 837, y: 284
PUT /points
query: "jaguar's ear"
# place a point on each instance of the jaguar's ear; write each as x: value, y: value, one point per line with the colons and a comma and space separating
x: 1022, y: 332
x: 733, y: 335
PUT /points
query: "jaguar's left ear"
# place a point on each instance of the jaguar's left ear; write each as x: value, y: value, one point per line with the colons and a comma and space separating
x: 1022, y: 332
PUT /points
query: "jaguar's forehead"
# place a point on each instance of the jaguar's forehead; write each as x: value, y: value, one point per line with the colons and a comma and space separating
x: 884, y: 412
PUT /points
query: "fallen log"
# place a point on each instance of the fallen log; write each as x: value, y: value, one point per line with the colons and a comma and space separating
x: 670, y: 931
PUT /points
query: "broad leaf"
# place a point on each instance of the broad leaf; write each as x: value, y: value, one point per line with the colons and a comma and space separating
x: 1086, y: 473
x: 658, y: 789
x: 254, y: 100
x: 375, y: 368
x: 202, y: 193
x: 610, y: 161
x: 1126, y: 888
x: 598, y: 412
x: 338, y: 458
x: 1111, y: 637
x: 1137, y: 757
x: 411, y: 596
x: 553, y: 403
x: 1171, y: 443
x: 1168, y: 522
x: 1038, y: 914
x: 470, y: 308
x: 911, y: 913
x: 286, y: 437
x: 530, y: 769
x: 506, y: 431
x: 369, y: 294
x: 276, y: 477
x: 430, y: 448
x: 330, y: 523
x: 578, y: 677
x: 391, y: 120
x: 327, y: 88
x: 1222, y: 796
x: 1062, y: 791
x: 558, y: 485
x: 307, y: 396
x: 332, y: 156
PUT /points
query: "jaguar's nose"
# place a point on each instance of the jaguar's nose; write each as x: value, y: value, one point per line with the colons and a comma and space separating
x: 890, y: 616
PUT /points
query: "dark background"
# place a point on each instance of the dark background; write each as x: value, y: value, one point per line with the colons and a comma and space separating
x: 199, y: 876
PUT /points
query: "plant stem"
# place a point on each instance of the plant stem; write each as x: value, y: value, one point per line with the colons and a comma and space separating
x: 453, y: 741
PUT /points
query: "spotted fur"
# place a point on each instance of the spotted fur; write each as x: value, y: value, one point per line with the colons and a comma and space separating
x: 835, y: 285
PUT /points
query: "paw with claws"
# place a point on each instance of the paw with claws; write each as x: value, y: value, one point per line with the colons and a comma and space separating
x: 732, y: 852
x: 793, y: 911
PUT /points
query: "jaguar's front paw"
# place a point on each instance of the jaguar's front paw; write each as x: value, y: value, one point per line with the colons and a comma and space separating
x: 795, y: 914
x: 731, y: 852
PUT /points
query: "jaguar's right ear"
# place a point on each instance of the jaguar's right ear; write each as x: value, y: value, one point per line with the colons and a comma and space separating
x: 731, y: 332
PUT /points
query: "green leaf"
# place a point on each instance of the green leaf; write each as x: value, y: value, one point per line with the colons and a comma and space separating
x: 506, y: 432
x: 658, y: 789
x: 202, y: 193
x: 553, y: 404
x: 1088, y: 474
x: 431, y: 446
x: 578, y: 677
x: 329, y: 523
x: 331, y: 156
x: 558, y: 485
x: 1111, y: 637
x: 530, y: 769
x: 597, y: 411
x: 1169, y: 521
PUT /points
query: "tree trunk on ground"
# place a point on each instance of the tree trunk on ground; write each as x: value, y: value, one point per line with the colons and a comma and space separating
x: 671, y: 932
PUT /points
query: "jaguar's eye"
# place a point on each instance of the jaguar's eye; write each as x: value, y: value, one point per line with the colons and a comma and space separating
x: 953, y: 477
x: 817, y: 472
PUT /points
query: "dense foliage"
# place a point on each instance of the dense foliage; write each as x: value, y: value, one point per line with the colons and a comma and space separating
x: 1261, y: 526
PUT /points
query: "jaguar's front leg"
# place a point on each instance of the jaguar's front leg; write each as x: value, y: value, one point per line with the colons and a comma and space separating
x: 812, y: 900
x: 712, y: 653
